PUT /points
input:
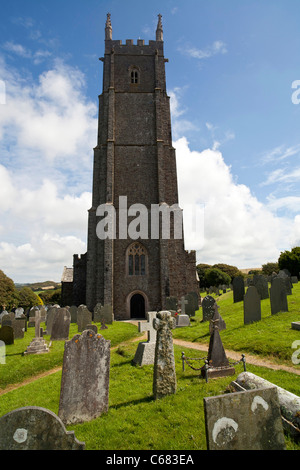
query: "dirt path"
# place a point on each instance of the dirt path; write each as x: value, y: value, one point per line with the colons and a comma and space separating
x: 236, y: 356
x: 199, y: 347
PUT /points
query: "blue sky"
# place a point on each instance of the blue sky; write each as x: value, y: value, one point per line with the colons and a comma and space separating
x: 235, y: 128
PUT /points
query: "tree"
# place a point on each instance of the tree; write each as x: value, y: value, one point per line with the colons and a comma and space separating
x: 290, y: 260
x: 201, y: 268
x: 270, y: 268
x: 28, y: 298
x: 232, y: 271
x: 8, y: 293
x: 215, y: 277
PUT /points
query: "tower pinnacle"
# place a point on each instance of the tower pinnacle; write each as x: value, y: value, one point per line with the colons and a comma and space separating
x: 159, y: 30
x: 108, y: 28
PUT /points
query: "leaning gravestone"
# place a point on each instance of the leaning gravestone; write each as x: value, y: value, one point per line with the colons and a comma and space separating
x: 85, y: 378
x: 35, y: 428
x: 248, y: 420
x: 164, y: 375
x: 61, y: 325
x: 252, y: 306
x: 261, y: 284
x: 208, y: 308
x: 84, y: 317
x: 278, y: 296
x: 238, y: 289
x: 146, y: 350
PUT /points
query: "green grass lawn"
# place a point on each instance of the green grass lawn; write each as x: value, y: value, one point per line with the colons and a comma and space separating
x: 135, y: 421
x: 271, y: 338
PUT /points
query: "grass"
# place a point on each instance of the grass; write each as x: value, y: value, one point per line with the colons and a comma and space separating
x: 270, y: 338
x: 19, y: 368
x: 135, y: 421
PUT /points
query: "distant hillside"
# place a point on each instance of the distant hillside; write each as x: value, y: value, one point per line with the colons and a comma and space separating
x: 35, y: 286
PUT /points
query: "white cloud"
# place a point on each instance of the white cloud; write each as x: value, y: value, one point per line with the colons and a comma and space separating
x: 238, y: 229
x: 217, y: 47
x: 47, y: 132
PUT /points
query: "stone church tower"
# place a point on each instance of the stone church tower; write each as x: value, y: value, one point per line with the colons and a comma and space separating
x: 134, y: 158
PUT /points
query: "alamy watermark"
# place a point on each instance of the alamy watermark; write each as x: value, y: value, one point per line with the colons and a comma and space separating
x: 160, y: 221
x: 2, y: 352
x: 2, y: 92
x: 296, y: 94
x: 296, y: 354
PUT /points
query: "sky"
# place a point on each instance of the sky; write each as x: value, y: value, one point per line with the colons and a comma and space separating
x: 233, y: 77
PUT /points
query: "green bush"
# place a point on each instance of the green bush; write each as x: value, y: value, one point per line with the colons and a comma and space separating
x: 215, y: 277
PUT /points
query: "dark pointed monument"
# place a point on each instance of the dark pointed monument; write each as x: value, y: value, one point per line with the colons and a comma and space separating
x: 134, y: 165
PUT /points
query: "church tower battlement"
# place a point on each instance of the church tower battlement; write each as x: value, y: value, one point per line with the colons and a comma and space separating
x: 134, y: 157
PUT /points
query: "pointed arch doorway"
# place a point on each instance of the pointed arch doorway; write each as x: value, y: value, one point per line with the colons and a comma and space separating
x: 137, y: 305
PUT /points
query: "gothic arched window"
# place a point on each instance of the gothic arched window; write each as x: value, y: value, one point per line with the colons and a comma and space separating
x: 136, y: 260
x: 134, y: 74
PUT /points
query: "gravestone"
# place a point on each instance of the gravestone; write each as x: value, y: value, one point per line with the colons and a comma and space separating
x: 51, y: 313
x: 261, y: 284
x: 85, y: 378
x: 7, y: 334
x: 182, y: 320
x: 7, y: 319
x: 61, y: 325
x: 278, y: 296
x: 106, y: 314
x: 73, y: 312
x: 95, y: 328
x: 103, y: 326
x: 216, y: 321
x: 146, y: 350
x: 192, y: 305
x: 164, y: 374
x: 84, y: 317
x: 286, y: 280
x: 35, y: 428
x: 208, y: 308
x: 294, y: 279
x: 19, y: 312
x: 295, y: 325
x: 248, y: 420
x: 171, y: 303
x: 19, y: 326
x: 2, y: 314
x: 252, y: 306
x: 238, y: 286
x: 183, y: 303
x: 217, y: 362
x: 31, y: 318
x: 38, y: 344
x: 97, y: 312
